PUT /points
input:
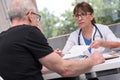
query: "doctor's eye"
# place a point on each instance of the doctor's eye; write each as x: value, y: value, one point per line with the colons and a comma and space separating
x: 81, y: 15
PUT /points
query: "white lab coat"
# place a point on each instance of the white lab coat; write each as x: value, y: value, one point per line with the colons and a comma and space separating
x: 107, y: 34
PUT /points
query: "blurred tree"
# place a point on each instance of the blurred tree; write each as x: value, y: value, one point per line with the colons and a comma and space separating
x: 68, y: 23
x: 49, y: 23
x: 105, y: 11
x: 55, y: 26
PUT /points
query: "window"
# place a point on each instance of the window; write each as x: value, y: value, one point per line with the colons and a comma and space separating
x: 57, y: 15
x: 106, y: 11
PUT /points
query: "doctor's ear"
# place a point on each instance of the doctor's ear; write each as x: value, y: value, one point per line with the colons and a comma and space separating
x: 92, y: 17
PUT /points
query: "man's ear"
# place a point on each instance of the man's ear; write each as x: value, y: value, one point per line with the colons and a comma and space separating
x: 30, y: 16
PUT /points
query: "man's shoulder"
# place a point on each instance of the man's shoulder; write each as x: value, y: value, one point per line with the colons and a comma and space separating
x: 23, y: 28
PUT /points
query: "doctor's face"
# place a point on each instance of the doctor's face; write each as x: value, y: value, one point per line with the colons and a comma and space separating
x: 83, y: 19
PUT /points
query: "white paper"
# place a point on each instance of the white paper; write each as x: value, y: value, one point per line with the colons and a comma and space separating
x: 76, y: 51
x: 107, y: 55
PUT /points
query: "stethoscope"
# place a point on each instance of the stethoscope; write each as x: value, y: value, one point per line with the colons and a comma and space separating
x: 96, y: 29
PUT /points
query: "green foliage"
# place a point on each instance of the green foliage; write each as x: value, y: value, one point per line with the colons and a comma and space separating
x: 49, y: 23
x: 68, y: 23
x: 54, y: 26
x: 105, y: 11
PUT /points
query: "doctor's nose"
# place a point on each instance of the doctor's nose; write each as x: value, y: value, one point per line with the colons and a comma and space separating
x: 79, y: 18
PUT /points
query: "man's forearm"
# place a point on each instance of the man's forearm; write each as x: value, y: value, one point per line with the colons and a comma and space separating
x: 75, y: 68
x: 45, y: 70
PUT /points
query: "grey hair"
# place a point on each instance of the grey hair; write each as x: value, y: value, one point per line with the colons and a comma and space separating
x: 19, y: 8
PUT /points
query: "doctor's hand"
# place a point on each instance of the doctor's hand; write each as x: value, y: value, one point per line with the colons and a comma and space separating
x: 97, y: 43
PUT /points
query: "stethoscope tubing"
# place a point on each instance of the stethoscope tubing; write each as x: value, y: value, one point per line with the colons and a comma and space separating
x: 96, y: 29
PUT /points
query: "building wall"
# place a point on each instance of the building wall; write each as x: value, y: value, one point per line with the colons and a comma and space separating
x: 4, y: 19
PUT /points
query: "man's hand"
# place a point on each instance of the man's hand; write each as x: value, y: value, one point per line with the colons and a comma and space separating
x: 59, y: 52
x: 97, y: 58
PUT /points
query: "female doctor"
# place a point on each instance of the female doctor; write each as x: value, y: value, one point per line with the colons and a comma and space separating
x: 98, y: 36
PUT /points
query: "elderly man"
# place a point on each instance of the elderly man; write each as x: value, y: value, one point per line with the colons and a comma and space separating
x: 24, y: 49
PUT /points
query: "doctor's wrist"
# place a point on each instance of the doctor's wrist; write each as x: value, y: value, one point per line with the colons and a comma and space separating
x: 103, y: 43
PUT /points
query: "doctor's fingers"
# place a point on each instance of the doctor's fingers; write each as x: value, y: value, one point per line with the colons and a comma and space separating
x: 95, y: 44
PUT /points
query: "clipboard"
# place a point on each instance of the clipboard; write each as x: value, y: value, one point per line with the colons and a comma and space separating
x: 115, y: 49
x: 110, y: 56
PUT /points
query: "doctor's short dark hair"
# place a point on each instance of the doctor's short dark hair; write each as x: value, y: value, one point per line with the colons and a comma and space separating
x: 84, y: 7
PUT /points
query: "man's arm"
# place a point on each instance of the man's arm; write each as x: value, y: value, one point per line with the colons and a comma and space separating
x: 45, y: 70
x: 70, y: 68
